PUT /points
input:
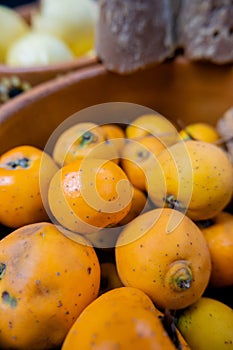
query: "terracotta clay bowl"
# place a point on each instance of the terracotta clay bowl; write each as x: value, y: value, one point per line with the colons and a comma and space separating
x: 180, y: 90
x: 38, y: 74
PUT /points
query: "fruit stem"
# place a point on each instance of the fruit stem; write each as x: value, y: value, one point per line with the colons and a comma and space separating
x: 168, y: 322
x: 173, y: 203
x: 87, y: 138
x: 179, y: 276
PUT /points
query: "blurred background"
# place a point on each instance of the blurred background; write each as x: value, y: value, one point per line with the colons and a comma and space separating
x: 13, y: 3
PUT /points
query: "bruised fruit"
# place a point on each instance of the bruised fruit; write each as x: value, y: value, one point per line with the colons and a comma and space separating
x: 122, y: 318
x: 46, y: 281
x: 164, y: 253
x: 195, y: 177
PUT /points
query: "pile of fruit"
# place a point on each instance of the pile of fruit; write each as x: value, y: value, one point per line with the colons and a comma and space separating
x: 59, y: 31
x: 114, y: 237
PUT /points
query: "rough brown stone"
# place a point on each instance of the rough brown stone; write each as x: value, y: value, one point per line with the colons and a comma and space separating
x: 205, y: 30
x: 132, y: 34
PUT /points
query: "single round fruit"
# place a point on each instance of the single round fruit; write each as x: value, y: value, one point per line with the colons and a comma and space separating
x: 115, y: 134
x: 113, y: 131
x: 46, y: 281
x: 219, y: 237
x: 195, y: 177
x: 164, y: 253
x: 200, y: 132
x: 70, y: 20
x: 37, y: 49
x: 139, y: 205
x: 122, y: 318
x: 207, y: 324
x: 137, y: 156
x: 89, y: 194
x: 155, y: 125
x: 25, y: 173
x: 81, y: 140
x: 12, y: 27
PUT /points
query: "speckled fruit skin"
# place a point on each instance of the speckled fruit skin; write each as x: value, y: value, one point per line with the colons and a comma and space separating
x: 25, y: 173
x: 197, y: 176
x: 207, y: 324
x: 46, y: 281
x: 153, y: 124
x: 164, y: 253
x: 122, y: 318
x: 83, y: 139
x: 87, y: 195
x: 219, y: 237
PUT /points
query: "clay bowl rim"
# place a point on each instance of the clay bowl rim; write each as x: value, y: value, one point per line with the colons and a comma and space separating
x: 51, y: 86
x: 45, y: 88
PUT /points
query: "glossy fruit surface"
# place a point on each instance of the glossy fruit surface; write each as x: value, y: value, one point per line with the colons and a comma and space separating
x: 153, y: 124
x: 137, y: 156
x: 87, y: 195
x: 139, y: 205
x: 163, y: 253
x: 40, y: 289
x: 83, y: 139
x: 219, y: 237
x: 123, y: 318
x: 25, y: 173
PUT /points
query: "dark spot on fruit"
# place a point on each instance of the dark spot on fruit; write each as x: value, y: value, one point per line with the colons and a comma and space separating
x: 9, y: 299
x: 22, y: 163
x: 2, y: 270
x: 89, y: 270
x: 59, y: 303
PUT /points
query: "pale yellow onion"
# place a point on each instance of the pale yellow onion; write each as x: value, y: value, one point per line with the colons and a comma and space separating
x: 72, y: 21
x: 12, y: 27
x: 38, y: 49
